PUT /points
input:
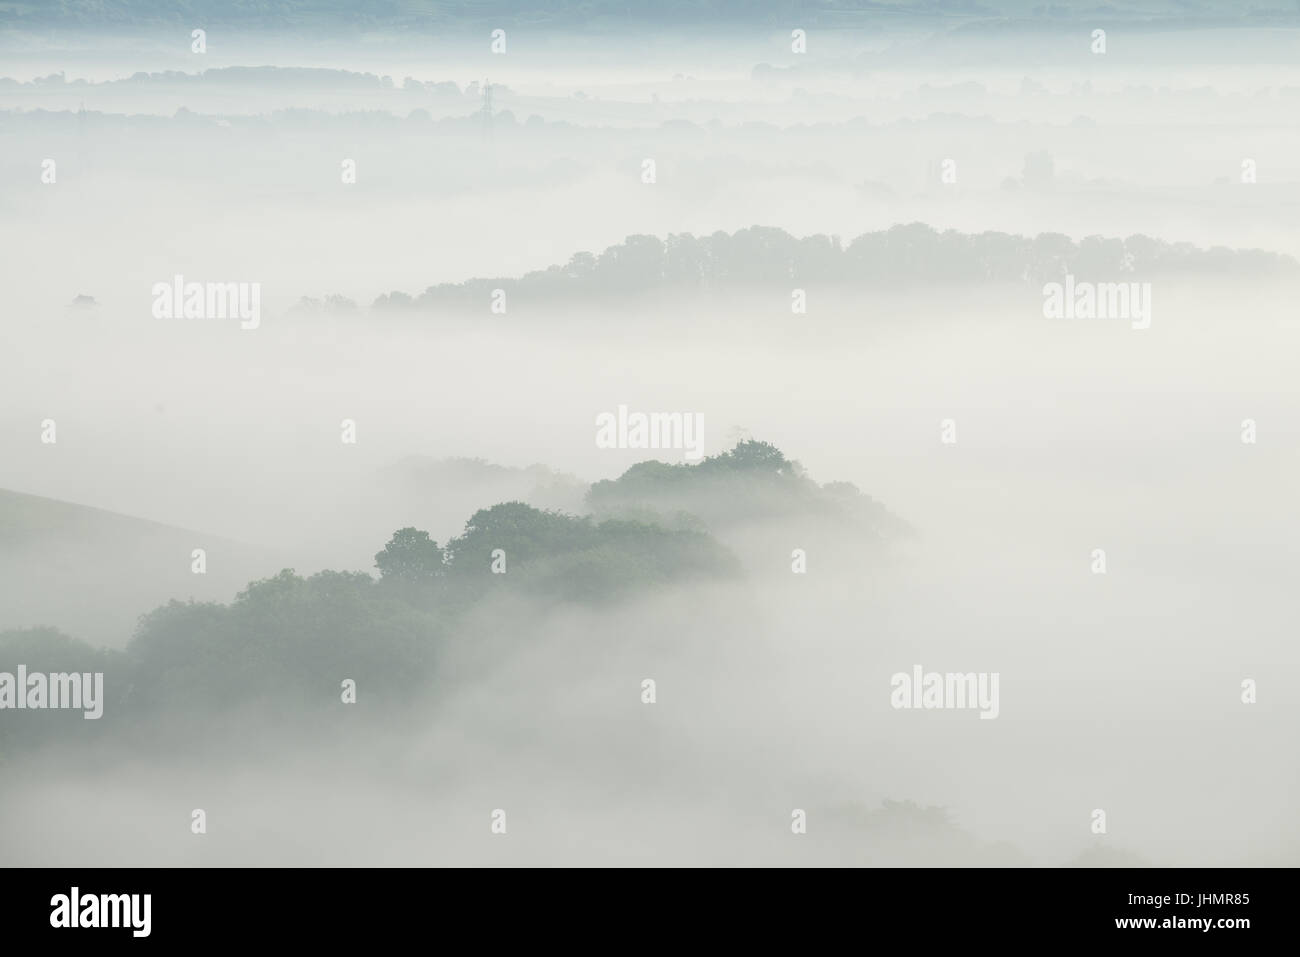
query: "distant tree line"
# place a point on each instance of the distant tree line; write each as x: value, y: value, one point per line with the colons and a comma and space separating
x: 427, y: 16
x: 766, y: 256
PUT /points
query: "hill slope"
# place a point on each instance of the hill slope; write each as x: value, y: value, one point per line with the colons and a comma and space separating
x: 92, y: 572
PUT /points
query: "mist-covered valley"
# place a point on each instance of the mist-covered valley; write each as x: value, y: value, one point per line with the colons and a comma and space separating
x: 380, y: 556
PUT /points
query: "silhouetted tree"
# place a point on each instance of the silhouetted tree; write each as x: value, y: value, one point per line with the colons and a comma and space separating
x: 410, y: 556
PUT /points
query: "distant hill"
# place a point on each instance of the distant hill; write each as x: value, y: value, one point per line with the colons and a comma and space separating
x: 487, y: 482
x: 92, y: 572
x: 765, y: 256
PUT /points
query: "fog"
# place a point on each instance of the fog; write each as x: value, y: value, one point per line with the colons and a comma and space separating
x: 999, y: 449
